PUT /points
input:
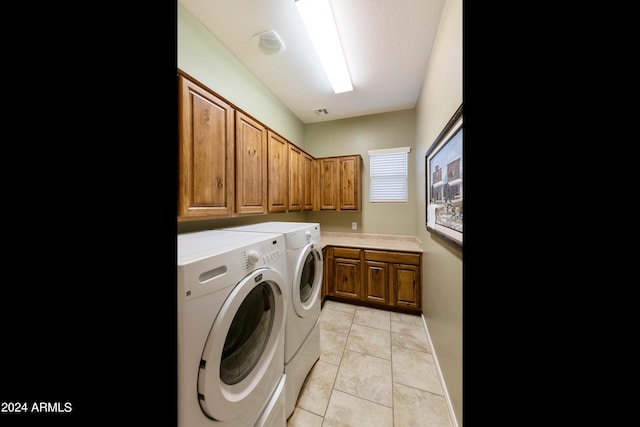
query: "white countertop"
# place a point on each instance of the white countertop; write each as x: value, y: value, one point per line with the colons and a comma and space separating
x: 391, y: 242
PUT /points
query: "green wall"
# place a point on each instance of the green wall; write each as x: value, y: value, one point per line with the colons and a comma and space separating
x: 441, y: 95
x: 357, y: 136
x: 204, y: 57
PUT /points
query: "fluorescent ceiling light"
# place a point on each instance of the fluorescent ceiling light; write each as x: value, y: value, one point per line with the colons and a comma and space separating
x: 318, y: 18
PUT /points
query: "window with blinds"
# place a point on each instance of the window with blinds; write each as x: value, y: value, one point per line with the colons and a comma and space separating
x: 388, y: 172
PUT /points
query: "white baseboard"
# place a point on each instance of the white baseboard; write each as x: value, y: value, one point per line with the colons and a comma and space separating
x: 442, y: 383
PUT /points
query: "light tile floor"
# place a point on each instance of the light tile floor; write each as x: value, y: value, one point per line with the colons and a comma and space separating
x: 375, y: 369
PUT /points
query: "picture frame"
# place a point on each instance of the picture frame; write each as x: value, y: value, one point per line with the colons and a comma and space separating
x: 444, y: 166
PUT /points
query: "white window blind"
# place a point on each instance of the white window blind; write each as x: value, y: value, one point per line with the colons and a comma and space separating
x: 388, y: 175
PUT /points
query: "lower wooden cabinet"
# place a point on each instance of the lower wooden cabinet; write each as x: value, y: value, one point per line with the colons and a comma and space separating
x: 376, y: 282
x: 383, y: 279
x: 407, y: 286
x: 347, y: 276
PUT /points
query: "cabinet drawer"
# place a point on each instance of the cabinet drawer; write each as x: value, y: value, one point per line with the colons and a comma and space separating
x: 393, y: 257
x: 346, y: 253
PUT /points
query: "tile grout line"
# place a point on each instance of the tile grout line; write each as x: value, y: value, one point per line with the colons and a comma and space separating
x: 381, y: 358
x: 393, y: 401
x: 333, y: 385
x: 341, y: 358
x: 390, y: 331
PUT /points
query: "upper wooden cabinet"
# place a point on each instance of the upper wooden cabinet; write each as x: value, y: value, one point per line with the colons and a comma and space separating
x: 350, y: 188
x: 232, y: 165
x: 339, y: 184
x: 251, y: 166
x: 296, y: 179
x: 309, y: 176
x: 327, y: 183
x: 278, y: 151
x: 301, y: 179
x: 206, y: 153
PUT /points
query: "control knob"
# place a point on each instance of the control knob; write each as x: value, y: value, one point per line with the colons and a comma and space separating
x: 253, y: 257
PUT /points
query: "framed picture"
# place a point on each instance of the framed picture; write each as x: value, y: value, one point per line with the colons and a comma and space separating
x: 444, y: 179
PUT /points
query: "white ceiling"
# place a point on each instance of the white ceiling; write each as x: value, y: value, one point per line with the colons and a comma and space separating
x: 386, y: 43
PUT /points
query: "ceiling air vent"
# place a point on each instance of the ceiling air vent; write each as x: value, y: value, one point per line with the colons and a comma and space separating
x: 321, y: 111
x: 269, y: 42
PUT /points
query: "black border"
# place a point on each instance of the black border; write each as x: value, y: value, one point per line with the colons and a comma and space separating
x: 88, y: 306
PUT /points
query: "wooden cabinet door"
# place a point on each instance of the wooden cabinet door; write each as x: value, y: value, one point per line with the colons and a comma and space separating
x: 296, y: 177
x: 347, y: 278
x: 328, y: 183
x: 278, y: 173
x: 251, y: 166
x: 308, y: 181
x: 317, y: 179
x: 385, y: 279
x: 349, y: 194
x: 407, y: 285
x: 339, y: 183
x: 206, y: 153
x: 327, y: 257
x: 376, y: 282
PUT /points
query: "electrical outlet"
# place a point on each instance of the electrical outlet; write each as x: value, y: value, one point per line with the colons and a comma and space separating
x: 354, y: 225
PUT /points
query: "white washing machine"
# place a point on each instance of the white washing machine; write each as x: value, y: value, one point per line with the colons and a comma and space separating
x: 304, y: 279
x: 231, y: 312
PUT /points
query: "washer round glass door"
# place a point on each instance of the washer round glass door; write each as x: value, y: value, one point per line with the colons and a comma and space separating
x: 241, y: 346
x: 307, y: 279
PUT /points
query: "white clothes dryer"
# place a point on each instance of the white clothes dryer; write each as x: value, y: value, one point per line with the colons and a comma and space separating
x: 304, y: 283
x: 230, y: 313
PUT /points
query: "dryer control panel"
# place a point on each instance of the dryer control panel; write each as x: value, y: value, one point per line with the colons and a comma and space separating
x: 263, y: 254
x: 213, y: 260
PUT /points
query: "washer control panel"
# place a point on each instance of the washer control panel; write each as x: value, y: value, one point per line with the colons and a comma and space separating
x: 264, y: 253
